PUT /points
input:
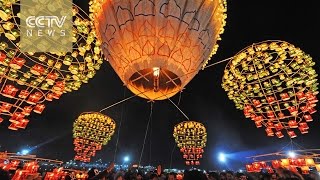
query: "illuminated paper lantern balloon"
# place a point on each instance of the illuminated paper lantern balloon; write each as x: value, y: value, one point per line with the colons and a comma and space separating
x: 275, y: 85
x: 191, y: 138
x: 91, y: 131
x: 28, y: 80
x: 157, y: 47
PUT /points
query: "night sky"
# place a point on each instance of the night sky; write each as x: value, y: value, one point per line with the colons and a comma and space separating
x: 203, y: 100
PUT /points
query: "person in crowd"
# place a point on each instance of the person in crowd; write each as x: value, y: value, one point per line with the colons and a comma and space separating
x: 286, y: 174
x: 119, y: 176
x: 139, y: 176
x: 153, y: 177
x: 213, y: 176
x: 229, y: 175
x: 68, y: 177
x: 223, y: 176
x: 172, y: 176
x: 193, y: 175
x: 104, y: 175
x: 4, y: 175
x: 274, y: 176
x: 240, y: 176
x: 92, y: 172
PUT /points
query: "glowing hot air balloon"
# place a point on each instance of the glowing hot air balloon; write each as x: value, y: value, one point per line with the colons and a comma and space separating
x: 91, y: 131
x: 157, y: 47
x: 275, y: 85
x: 191, y: 138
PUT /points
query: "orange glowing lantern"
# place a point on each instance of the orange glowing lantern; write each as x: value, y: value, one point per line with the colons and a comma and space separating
x: 305, y: 169
x: 249, y: 168
x: 191, y: 138
x: 298, y: 159
x: 30, y: 79
x: 309, y: 162
x: 56, y: 174
x: 276, y: 81
x: 156, y: 48
x: 91, y: 130
x: 285, y: 162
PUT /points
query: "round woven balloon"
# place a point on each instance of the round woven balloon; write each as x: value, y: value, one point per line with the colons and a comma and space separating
x: 29, y: 79
x: 191, y: 138
x: 275, y: 84
x: 90, y: 131
x: 157, y: 47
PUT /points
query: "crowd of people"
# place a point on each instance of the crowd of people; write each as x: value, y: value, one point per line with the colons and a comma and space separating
x: 280, y: 174
x: 136, y: 174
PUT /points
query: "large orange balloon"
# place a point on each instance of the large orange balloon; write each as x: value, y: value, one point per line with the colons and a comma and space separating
x: 157, y: 47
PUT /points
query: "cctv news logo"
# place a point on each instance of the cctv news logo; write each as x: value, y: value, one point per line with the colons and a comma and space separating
x: 45, y: 25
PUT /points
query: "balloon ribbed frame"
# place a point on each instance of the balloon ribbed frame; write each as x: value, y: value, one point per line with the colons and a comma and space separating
x: 304, y: 160
x: 30, y: 79
x: 191, y: 138
x: 91, y: 131
x: 157, y: 47
x: 275, y: 85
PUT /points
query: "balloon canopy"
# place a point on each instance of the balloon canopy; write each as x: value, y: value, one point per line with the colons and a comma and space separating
x: 191, y: 138
x: 275, y: 84
x: 90, y: 131
x: 157, y: 47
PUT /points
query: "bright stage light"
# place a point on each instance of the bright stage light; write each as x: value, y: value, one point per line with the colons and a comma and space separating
x: 222, y: 157
x: 291, y: 154
x: 126, y: 159
x: 25, y: 152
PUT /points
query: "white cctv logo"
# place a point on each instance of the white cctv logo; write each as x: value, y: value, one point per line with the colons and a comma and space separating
x: 45, y: 21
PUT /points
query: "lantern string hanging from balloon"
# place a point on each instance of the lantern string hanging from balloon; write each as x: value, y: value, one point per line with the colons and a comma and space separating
x: 148, y: 43
x: 91, y: 131
x: 30, y: 79
x: 179, y: 109
x: 130, y: 97
x: 145, y: 135
x: 303, y: 159
x: 191, y: 138
x: 275, y: 85
x: 174, y: 144
x: 119, y: 128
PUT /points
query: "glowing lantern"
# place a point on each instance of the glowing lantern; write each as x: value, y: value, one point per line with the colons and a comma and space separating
x: 156, y: 48
x: 278, y: 81
x: 309, y: 162
x: 269, y: 170
x: 30, y: 79
x: 256, y: 166
x: 305, y: 170
x: 249, y: 168
x: 91, y: 130
x: 191, y: 138
x: 56, y: 174
x: 285, y: 162
x: 302, y: 159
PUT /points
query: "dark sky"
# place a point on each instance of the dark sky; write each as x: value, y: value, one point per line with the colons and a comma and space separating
x: 203, y: 99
